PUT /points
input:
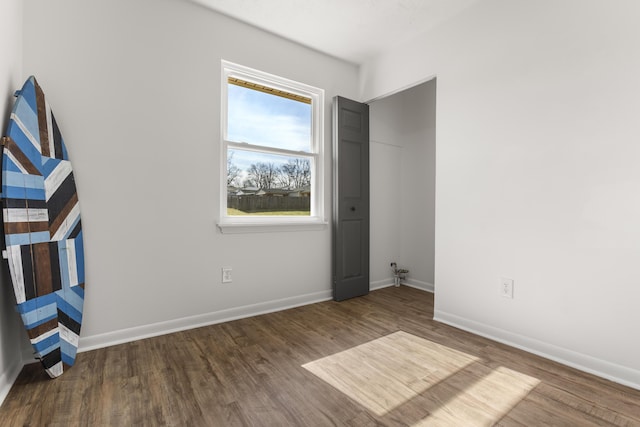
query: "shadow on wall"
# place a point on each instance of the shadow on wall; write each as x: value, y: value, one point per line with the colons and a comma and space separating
x: 12, y: 336
x: 10, y: 323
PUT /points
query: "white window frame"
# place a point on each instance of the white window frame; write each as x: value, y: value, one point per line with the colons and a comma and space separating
x: 243, y: 224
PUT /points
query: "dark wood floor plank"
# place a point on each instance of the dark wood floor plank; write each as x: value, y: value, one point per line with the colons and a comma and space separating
x: 249, y: 373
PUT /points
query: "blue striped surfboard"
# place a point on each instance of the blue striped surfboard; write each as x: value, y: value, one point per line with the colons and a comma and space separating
x: 42, y: 229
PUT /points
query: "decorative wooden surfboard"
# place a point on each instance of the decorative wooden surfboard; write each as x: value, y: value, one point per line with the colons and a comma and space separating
x: 43, y: 232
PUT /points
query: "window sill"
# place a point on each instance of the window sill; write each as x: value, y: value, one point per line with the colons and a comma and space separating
x: 230, y: 226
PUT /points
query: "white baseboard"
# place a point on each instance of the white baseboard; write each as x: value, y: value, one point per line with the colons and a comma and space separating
x: 412, y: 283
x: 379, y: 284
x: 7, y: 379
x: 418, y: 284
x: 162, y: 328
x: 602, y: 368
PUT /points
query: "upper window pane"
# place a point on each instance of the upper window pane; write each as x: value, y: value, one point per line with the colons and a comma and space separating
x: 267, y: 117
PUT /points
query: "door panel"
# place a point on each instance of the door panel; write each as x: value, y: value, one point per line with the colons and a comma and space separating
x: 352, y: 254
x: 350, y: 199
x: 351, y: 152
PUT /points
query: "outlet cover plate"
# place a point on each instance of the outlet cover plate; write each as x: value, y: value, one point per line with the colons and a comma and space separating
x: 226, y: 275
x: 506, y: 289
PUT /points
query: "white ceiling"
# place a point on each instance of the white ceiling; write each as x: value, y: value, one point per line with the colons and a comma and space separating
x: 353, y: 30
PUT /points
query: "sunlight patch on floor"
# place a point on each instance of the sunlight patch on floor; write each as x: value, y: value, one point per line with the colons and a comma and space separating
x: 386, y: 373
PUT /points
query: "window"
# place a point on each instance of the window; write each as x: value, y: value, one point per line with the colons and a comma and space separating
x: 271, y: 158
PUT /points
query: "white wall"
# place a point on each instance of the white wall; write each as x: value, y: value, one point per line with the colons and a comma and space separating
x: 403, y: 185
x: 385, y: 161
x: 537, y: 173
x: 136, y: 90
x: 11, y: 335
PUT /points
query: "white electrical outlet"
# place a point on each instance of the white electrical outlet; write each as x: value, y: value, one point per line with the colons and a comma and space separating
x: 506, y: 289
x: 226, y: 275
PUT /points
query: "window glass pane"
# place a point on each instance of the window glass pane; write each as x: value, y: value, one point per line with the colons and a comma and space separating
x: 264, y: 119
x: 267, y: 184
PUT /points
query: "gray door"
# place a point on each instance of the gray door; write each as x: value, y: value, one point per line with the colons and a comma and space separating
x: 350, y: 199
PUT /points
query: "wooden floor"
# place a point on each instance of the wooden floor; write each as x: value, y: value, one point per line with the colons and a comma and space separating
x: 250, y: 372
